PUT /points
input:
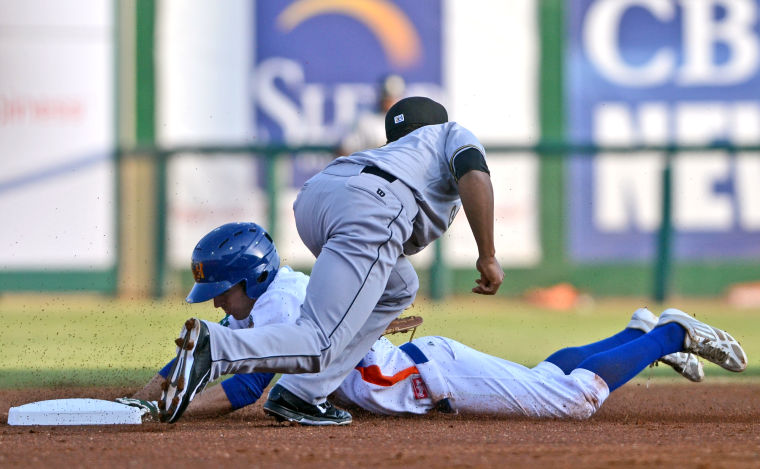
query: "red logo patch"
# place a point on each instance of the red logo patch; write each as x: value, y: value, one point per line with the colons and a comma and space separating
x: 418, y: 386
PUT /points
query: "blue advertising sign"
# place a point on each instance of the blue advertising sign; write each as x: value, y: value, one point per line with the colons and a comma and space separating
x: 657, y: 72
x: 318, y: 62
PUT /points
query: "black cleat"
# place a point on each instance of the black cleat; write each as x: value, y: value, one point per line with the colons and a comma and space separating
x: 284, y: 405
x: 190, y: 373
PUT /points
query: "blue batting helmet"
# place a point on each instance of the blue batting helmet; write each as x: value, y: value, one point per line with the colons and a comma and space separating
x: 230, y: 254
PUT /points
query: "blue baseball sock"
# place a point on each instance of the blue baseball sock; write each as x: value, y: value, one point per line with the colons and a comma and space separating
x: 618, y: 365
x: 568, y: 358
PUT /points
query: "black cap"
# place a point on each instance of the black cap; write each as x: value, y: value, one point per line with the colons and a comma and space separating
x: 411, y: 113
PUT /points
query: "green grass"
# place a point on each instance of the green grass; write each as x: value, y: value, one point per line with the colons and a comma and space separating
x: 74, y: 340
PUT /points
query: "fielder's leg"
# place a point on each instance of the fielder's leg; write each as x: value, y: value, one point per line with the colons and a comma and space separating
x: 399, y: 294
x: 358, y: 231
x: 358, y: 236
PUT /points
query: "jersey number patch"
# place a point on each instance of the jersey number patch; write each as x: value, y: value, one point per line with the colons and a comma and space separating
x: 419, y: 389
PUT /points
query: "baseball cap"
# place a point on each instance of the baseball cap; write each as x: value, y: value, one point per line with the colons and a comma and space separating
x: 410, y: 111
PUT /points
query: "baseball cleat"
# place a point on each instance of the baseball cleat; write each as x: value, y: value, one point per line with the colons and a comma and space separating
x: 708, y: 342
x: 685, y: 364
x: 283, y: 405
x: 643, y: 320
x: 190, y: 372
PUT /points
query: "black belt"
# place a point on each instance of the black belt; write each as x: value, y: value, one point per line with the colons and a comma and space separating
x: 379, y: 172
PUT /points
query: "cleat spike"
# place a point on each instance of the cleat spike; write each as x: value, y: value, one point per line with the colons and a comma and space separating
x: 189, y: 345
x: 181, y: 384
x: 178, y: 341
x: 190, y: 324
x: 165, y: 385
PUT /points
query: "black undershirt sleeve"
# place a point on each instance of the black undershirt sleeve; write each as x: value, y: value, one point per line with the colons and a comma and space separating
x: 468, y: 160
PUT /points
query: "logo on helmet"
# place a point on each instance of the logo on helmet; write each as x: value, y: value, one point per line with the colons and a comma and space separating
x: 398, y: 119
x: 198, y: 271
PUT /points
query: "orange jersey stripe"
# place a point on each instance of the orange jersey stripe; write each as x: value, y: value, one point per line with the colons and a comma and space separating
x: 373, y: 374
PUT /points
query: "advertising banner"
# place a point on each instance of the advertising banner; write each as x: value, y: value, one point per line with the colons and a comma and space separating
x: 317, y: 63
x: 57, y: 136
x: 317, y: 68
x: 310, y: 69
x: 656, y: 72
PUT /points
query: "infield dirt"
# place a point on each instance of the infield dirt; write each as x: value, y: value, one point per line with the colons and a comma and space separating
x: 643, y: 424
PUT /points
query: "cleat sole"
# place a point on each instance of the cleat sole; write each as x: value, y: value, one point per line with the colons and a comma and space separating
x: 176, y: 394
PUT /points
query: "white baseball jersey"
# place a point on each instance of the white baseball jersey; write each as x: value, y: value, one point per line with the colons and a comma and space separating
x: 424, y: 161
x: 390, y: 381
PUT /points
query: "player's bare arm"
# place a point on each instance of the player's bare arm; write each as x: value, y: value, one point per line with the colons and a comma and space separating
x: 476, y: 192
x: 151, y: 391
x: 212, y: 403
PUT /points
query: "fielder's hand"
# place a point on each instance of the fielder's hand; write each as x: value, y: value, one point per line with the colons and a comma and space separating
x: 149, y: 408
x: 491, y: 276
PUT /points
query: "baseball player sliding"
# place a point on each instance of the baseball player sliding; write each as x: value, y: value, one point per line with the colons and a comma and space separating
x: 361, y: 216
x: 434, y: 373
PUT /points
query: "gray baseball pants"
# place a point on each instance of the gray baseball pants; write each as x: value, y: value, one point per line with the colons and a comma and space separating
x: 355, y: 224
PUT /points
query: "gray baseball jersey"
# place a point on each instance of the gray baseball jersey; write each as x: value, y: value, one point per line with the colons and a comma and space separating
x: 424, y: 161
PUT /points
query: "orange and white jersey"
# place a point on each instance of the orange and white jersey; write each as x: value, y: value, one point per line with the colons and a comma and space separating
x: 386, y: 381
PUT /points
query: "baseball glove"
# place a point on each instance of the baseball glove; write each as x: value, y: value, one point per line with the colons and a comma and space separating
x: 405, y: 324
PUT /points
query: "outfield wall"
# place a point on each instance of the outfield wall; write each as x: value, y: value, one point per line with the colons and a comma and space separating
x: 292, y: 73
x: 57, y: 141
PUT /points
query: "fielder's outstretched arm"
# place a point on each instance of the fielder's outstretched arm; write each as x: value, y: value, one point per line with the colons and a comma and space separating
x: 476, y: 192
